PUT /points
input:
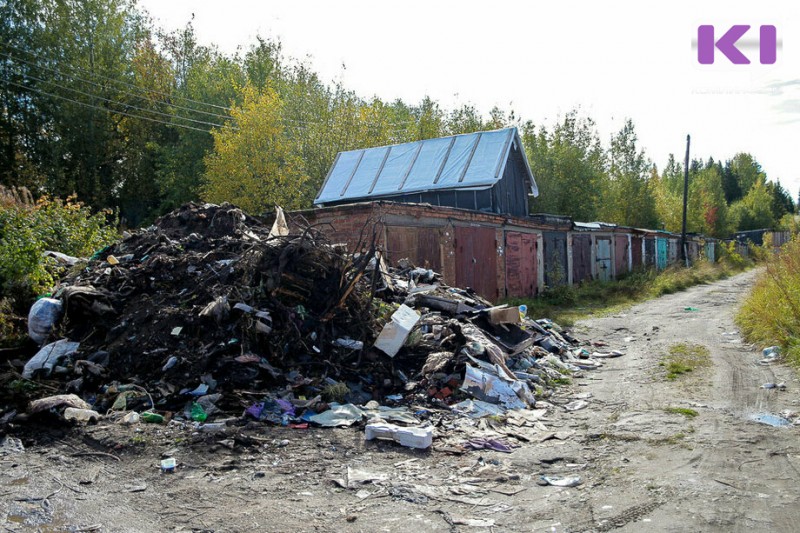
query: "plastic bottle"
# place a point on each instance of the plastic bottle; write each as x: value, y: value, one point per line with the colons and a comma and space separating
x: 153, y: 418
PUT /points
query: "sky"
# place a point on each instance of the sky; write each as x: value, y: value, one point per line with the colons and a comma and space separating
x: 613, y: 60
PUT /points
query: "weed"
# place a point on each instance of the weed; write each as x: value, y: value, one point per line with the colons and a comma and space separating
x: 566, y: 305
x: 688, y: 413
x: 771, y: 314
x: 684, y: 358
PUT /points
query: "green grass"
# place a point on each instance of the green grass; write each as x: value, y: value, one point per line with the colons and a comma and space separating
x: 565, y: 305
x: 685, y: 411
x: 771, y: 313
x: 685, y: 358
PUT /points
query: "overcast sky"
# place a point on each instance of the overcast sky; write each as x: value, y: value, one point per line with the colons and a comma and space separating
x: 614, y: 60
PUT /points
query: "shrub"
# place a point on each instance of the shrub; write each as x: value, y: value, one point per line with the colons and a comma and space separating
x: 28, y: 228
x: 771, y: 314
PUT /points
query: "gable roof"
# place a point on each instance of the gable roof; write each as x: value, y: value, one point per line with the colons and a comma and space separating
x: 471, y: 161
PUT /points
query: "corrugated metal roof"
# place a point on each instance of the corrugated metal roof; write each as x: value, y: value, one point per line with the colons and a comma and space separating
x: 469, y: 161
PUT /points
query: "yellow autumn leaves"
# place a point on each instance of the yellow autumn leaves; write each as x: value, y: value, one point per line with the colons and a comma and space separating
x: 253, y: 164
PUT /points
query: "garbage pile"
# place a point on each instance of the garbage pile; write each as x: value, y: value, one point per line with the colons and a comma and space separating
x: 210, y: 312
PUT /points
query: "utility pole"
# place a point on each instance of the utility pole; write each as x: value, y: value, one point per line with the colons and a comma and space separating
x: 685, y: 199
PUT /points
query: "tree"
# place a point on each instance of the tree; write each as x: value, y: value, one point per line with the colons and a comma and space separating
x: 252, y: 164
x: 754, y: 211
x: 782, y: 203
x: 569, y: 166
x: 747, y: 172
x: 630, y: 200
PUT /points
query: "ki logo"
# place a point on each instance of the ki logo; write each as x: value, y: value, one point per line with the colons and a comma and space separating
x: 767, y: 44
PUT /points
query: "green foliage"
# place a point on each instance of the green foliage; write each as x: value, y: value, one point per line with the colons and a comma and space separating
x: 565, y: 304
x: 28, y: 229
x: 101, y: 104
x: 630, y: 200
x: 754, y: 211
x: 569, y: 165
x: 685, y: 411
x: 771, y: 314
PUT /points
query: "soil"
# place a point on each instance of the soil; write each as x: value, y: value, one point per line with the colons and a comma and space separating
x: 642, y: 467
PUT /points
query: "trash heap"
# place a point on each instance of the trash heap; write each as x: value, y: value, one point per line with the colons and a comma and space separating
x: 211, y: 313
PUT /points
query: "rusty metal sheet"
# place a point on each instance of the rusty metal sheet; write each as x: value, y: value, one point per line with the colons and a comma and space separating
x: 621, y: 254
x: 521, y: 264
x: 603, y: 258
x: 581, y: 258
x: 419, y: 245
x: 636, y: 251
x: 476, y: 260
x: 555, y: 258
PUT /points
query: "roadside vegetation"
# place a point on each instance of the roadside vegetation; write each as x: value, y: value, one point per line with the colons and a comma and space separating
x: 30, y: 227
x: 566, y: 304
x: 771, y: 314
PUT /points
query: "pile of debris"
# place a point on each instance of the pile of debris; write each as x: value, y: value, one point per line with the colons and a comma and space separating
x: 211, y: 312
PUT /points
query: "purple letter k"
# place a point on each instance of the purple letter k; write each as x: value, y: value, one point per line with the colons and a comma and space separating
x: 726, y: 44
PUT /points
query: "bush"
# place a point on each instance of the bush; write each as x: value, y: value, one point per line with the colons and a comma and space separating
x: 28, y: 228
x: 771, y: 314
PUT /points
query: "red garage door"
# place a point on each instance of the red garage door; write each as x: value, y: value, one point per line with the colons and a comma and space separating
x: 521, y: 264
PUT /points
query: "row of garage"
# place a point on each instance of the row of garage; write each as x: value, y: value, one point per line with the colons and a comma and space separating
x: 501, y: 256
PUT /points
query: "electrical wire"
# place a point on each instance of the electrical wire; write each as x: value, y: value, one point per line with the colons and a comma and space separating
x: 141, y: 96
x: 113, y: 111
x: 131, y: 106
x: 72, y: 67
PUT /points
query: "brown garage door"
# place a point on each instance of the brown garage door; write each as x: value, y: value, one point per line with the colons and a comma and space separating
x: 419, y: 245
x: 476, y: 260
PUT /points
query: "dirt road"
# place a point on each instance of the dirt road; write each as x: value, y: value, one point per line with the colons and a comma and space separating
x: 653, y: 454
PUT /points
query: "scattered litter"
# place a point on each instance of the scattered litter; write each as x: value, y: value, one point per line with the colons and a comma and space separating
x: 11, y: 446
x: 576, y: 405
x: 338, y: 415
x: 779, y: 386
x: 56, y: 402
x: 168, y: 465
x: 42, y: 318
x: 81, y: 415
x: 396, y: 331
x: 770, y: 420
x: 412, y: 437
x: 49, y: 356
x: 488, y: 444
x: 568, y: 481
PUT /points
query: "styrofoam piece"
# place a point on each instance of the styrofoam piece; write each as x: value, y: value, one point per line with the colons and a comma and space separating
x: 396, y: 331
x: 412, y: 437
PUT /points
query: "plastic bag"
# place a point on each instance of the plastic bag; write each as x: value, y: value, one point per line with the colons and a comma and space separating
x: 49, y: 356
x: 42, y: 318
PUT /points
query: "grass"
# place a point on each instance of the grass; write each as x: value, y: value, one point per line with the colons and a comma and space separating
x: 685, y: 358
x: 565, y: 305
x: 685, y: 411
x: 771, y: 313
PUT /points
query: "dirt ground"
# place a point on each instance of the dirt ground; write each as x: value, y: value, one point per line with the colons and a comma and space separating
x: 642, y: 467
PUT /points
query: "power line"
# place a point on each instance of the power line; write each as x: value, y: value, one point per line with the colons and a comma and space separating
x: 72, y: 67
x: 141, y: 96
x: 101, y: 108
x: 111, y: 101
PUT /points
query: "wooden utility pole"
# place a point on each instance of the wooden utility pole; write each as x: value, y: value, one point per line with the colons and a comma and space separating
x: 685, y: 200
